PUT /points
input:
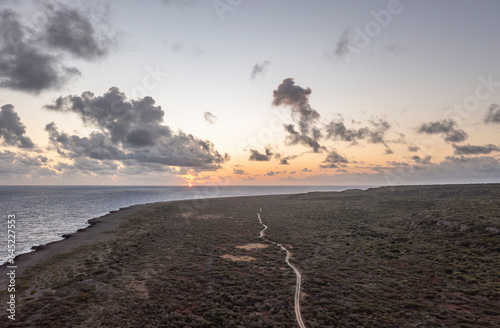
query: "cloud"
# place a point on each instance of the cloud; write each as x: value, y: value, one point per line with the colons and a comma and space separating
x: 305, y: 169
x: 333, y: 160
x: 129, y: 130
x: 177, y: 46
x: 273, y: 173
x: 23, y: 65
x: 69, y: 30
x: 336, y: 130
x: 14, y: 165
x: 413, y: 148
x: 181, y: 4
x: 239, y: 172
x: 12, y: 131
x: 259, y: 68
x: 426, y: 160
x: 210, y: 118
x: 31, y: 59
x: 256, y: 156
x: 181, y: 47
x: 294, y: 138
x: 297, y: 98
x: 445, y: 127
x: 393, y: 48
x: 343, y: 45
x: 377, y: 133
x: 493, y: 114
x: 284, y: 160
x: 474, y: 150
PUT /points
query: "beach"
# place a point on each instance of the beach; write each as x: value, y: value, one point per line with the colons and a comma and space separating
x: 404, y: 256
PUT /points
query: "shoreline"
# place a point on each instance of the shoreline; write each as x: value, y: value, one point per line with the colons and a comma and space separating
x: 88, y: 223
x: 111, y: 221
x: 95, y: 227
x: 387, y: 250
x: 94, y: 221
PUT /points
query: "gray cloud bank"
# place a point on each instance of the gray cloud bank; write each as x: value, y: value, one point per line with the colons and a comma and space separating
x: 31, y: 58
x: 445, y: 127
x: 493, y: 114
x: 130, y: 131
x: 12, y: 131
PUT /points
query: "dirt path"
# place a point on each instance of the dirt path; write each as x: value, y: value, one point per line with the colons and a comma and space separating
x: 297, y: 273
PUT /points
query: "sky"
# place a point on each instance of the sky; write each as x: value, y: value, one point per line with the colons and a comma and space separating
x: 239, y: 92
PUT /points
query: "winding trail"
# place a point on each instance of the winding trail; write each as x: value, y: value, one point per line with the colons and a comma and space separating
x: 297, y: 273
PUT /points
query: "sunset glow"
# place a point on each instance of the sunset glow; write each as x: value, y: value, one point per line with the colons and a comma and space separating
x: 365, y: 94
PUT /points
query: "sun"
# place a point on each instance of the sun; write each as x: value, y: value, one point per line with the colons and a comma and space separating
x: 190, y: 184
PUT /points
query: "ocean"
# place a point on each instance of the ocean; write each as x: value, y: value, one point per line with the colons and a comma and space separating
x: 44, y: 213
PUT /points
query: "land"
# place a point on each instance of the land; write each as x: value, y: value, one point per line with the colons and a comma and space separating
x: 409, y: 256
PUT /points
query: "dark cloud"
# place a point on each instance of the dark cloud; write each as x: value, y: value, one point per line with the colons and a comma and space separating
x: 305, y: 169
x: 297, y: 98
x: 294, y: 138
x: 256, y: 156
x: 336, y: 130
x: 343, y: 45
x: 209, y: 118
x: 239, y: 172
x: 88, y: 166
x: 70, y: 30
x: 130, y: 130
x: 23, y: 65
x: 377, y: 133
x: 424, y: 161
x: 259, y: 68
x: 493, y: 114
x: 413, y: 148
x: 273, y: 173
x: 334, y: 160
x: 284, y: 159
x: 31, y: 58
x: 445, y: 127
x: 474, y: 150
x: 135, y: 122
x: 14, y: 164
x: 12, y: 131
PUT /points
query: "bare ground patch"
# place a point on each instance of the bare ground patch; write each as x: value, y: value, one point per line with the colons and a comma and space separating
x: 194, y: 215
x: 238, y: 258
x: 253, y: 246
